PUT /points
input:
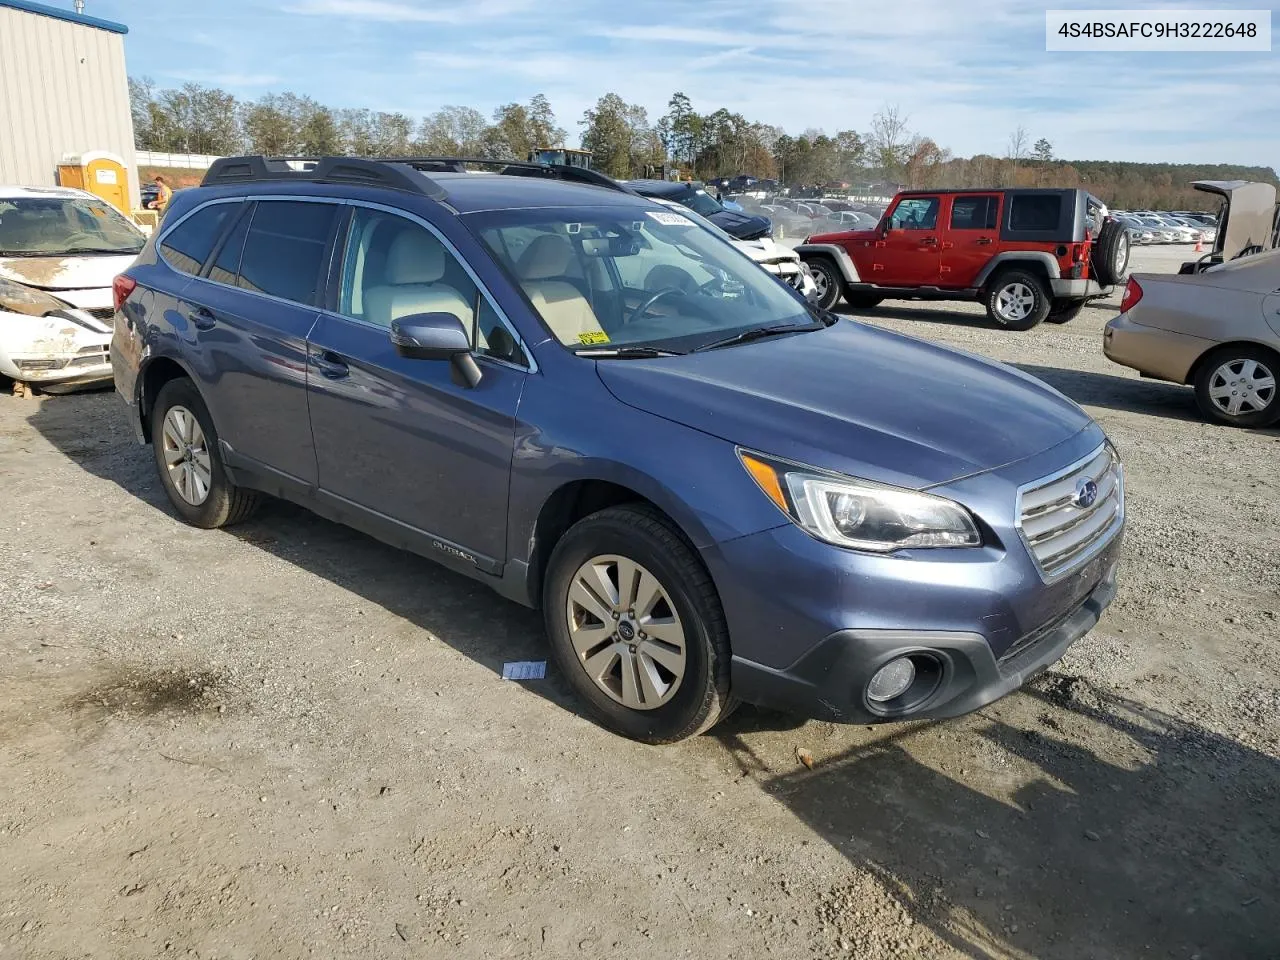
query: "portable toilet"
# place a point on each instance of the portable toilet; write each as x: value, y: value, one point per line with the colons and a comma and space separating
x: 100, y: 173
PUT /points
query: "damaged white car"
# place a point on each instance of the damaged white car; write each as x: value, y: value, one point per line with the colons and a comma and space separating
x: 783, y: 263
x: 60, y: 249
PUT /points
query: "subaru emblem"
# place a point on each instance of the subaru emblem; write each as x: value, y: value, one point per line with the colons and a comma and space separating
x: 1086, y: 494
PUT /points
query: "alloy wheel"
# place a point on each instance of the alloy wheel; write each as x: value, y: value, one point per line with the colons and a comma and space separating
x: 1242, y: 386
x: 1015, y: 301
x: 186, y: 456
x: 626, y: 632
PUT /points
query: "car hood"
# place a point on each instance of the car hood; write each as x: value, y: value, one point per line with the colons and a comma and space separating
x: 744, y: 226
x: 765, y: 250
x: 856, y: 400
x: 65, y: 273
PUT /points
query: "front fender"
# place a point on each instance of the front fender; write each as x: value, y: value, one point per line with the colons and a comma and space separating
x: 844, y: 263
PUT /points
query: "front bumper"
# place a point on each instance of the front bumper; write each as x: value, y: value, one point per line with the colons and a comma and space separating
x: 52, y: 349
x: 828, y: 683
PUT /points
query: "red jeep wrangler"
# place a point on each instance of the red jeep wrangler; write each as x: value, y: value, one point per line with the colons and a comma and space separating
x: 1029, y: 255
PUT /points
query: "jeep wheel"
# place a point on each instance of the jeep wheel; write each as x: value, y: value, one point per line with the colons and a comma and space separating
x: 1064, y: 311
x: 636, y: 626
x: 862, y: 301
x: 185, y: 444
x: 1110, y: 257
x: 827, y: 279
x: 1017, y: 300
x: 1237, y: 386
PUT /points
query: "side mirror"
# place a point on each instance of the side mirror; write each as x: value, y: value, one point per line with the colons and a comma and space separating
x: 436, y: 336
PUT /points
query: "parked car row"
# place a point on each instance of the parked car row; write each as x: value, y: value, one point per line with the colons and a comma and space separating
x: 1150, y: 227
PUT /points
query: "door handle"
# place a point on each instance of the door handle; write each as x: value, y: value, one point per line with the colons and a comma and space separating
x: 983, y: 241
x: 330, y: 365
x: 203, y: 319
x: 928, y: 241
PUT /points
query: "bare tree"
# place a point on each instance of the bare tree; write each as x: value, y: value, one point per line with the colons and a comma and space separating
x: 1018, y: 145
x: 890, y: 140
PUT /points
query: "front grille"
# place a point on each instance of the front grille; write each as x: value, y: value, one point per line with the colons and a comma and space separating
x: 1061, y: 529
x: 91, y: 357
x: 102, y: 313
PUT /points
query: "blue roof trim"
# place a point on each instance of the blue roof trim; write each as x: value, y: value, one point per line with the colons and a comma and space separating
x: 69, y: 15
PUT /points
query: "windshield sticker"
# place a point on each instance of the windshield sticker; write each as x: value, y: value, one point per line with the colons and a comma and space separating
x: 668, y: 219
x: 593, y: 337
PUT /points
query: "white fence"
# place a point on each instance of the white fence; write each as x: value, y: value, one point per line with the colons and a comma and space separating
x: 190, y: 161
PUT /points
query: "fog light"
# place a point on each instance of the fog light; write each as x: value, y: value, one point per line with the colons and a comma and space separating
x: 892, y: 680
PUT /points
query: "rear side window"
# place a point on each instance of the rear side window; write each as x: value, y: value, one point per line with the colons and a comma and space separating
x: 1031, y: 212
x: 974, y: 213
x: 226, y: 265
x: 285, y: 249
x: 188, y: 245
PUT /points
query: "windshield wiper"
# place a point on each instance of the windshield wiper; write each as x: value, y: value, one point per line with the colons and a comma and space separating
x: 84, y: 251
x: 759, y: 333
x: 626, y: 353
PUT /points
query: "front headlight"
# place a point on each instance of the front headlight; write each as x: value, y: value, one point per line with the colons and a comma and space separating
x: 861, y: 514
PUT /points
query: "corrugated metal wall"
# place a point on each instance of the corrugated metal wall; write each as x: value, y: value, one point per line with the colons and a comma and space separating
x: 63, y: 89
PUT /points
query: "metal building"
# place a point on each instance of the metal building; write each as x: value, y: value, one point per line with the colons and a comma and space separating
x: 63, y: 91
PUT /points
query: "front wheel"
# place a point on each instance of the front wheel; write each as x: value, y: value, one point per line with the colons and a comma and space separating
x: 1017, y: 300
x: 185, y: 444
x: 1237, y: 386
x: 636, y: 626
x: 827, y: 279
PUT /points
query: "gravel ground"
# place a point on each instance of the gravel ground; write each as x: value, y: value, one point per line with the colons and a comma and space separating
x: 287, y: 740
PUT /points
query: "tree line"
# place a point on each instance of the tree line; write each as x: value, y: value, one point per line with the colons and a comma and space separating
x: 626, y: 143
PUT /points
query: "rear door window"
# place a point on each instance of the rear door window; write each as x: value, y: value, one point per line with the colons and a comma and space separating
x: 226, y: 265
x: 189, y: 244
x: 285, y: 249
x: 974, y: 213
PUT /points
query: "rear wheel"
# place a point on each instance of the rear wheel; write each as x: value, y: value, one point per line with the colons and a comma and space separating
x: 1017, y: 300
x: 862, y: 301
x: 636, y: 626
x: 185, y: 445
x: 1064, y: 311
x: 1236, y: 385
x: 828, y: 281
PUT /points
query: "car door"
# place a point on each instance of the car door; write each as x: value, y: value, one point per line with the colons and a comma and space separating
x: 908, y: 252
x: 250, y: 311
x: 423, y: 458
x: 970, y: 238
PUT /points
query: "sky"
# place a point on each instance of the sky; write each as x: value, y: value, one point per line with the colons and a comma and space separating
x: 965, y: 72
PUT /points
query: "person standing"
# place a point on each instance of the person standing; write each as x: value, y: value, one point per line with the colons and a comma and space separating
x: 163, y: 195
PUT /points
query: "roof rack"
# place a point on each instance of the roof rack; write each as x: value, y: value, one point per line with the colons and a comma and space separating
x: 513, y: 168
x: 351, y: 170
x: 411, y: 174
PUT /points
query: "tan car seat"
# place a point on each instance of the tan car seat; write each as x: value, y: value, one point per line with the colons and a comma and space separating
x: 562, y: 305
x: 415, y: 266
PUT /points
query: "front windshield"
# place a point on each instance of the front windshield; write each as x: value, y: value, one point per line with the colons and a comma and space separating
x: 634, y: 276
x: 702, y: 202
x: 58, y: 226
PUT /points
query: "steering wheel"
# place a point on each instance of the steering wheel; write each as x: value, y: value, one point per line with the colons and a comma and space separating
x: 641, y: 310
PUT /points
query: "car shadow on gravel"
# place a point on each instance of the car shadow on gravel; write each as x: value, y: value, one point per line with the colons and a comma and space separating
x: 1129, y: 394
x: 1133, y: 834
x: 93, y: 432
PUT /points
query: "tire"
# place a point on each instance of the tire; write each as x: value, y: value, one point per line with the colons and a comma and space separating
x: 642, y: 537
x: 200, y: 469
x: 830, y: 282
x: 1234, y: 374
x: 1109, y: 259
x: 863, y: 301
x: 1017, y: 300
x: 1064, y: 311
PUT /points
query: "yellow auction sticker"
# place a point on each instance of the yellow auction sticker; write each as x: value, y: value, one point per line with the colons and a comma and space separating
x: 592, y: 338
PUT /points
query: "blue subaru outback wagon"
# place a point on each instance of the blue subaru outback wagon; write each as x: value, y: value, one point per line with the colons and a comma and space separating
x: 714, y: 492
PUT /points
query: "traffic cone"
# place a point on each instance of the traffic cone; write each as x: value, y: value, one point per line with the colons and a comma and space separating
x: 1199, y: 245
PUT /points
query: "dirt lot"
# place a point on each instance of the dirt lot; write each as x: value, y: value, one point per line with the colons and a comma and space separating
x: 287, y: 740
